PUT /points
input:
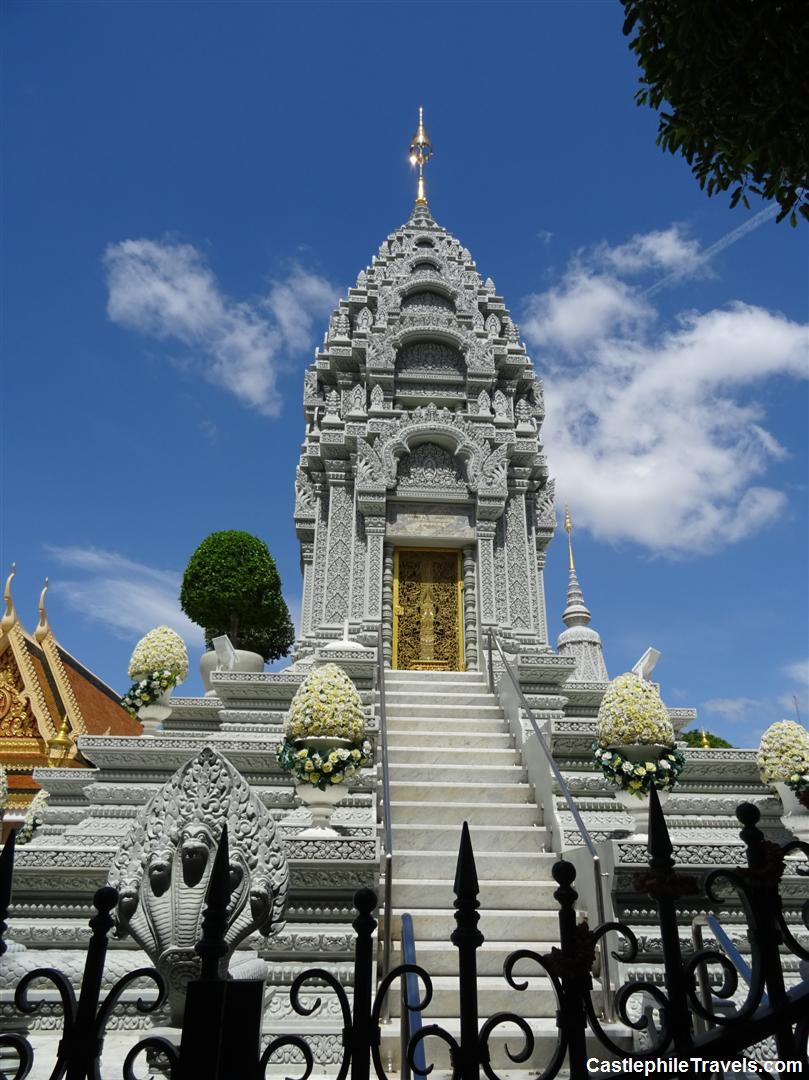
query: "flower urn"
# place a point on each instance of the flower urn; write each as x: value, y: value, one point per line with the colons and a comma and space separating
x: 796, y: 815
x: 245, y: 661
x: 324, y: 745
x: 158, y: 663
x: 637, y: 807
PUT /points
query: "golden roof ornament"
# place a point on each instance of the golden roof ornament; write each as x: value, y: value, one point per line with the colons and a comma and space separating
x: 60, y: 745
x: 421, y: 150
x: 9, y: 615
x: 705, y: 741
x: 43, y: 628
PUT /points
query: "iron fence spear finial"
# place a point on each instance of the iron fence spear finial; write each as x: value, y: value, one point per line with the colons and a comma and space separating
x: 467, y: 938
x: 212, y: 945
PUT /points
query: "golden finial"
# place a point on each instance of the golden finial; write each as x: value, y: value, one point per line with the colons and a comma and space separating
x: 421, y: 150
x: 706, y: 744
x: 60, y: 745
x: 42, y: 629
x: 10, y: 615
x: 569, y: 531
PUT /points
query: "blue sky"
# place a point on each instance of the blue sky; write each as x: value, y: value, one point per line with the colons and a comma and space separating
x: 188, y: 188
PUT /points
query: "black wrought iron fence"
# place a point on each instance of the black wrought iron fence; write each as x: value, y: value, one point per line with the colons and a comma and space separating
x: 221, y: 1034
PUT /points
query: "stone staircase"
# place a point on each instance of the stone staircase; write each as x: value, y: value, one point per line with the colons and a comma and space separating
x: 452, y: 760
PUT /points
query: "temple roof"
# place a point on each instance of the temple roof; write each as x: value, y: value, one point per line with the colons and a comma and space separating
x: 42, y: 688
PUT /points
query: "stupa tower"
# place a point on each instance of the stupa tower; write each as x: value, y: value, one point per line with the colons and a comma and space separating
x: 422, y: 496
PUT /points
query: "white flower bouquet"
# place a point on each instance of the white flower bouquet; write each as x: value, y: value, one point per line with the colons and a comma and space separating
x: 162, y: 649
x: 783, y: 757
x: 158, y: 663
x: 638, y: 777
x: 322, y: 768
x: 632, y: 714
x: 147, y: 690
x: 3, y: 787
x: 326, y: 706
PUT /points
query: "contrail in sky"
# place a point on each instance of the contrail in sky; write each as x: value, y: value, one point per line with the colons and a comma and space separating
x: 720, y: 245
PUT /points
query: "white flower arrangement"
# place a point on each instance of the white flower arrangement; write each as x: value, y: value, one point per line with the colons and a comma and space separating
x: 632, y: 714
x: 783, y: 756
x: 638, y: 777
x: 34, y: 817
x: 3, y: 787
x: 326, y: 704
x: 162, y: 649
x: 147, y: 690
x: 322, y: 768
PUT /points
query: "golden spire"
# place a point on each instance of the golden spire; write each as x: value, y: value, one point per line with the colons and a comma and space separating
x: 10, y: 615
x: 706, y: 745
x: 42, y: 629
x: 421, y: 150
x: 569, y: 531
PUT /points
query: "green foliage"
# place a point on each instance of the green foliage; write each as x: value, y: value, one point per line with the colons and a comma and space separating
x: 733, y: 78
x: 694, y: 738
x: 231, y: 586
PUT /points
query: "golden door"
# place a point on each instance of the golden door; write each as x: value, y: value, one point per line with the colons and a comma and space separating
x: 427, y: 616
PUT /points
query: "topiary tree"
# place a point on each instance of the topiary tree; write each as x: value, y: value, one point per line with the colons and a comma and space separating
x: 231, y: 586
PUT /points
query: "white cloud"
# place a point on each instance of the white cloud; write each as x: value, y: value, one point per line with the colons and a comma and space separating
x: 127, y: 596
x: 585, y: 307
x: 654, y: 436
x: 732, y: 709
x: 166, y: 290
x: 296, y: 301
x: 666, y: 249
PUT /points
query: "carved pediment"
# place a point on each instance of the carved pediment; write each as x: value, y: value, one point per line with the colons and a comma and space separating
x: 17, y: 720
x: 429, y: 467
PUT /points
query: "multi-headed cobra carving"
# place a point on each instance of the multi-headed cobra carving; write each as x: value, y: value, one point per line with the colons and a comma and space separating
x: 161, y: 871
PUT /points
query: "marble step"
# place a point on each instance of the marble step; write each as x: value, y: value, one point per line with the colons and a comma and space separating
x: 478, y: 738
x: 432, y: 678
x: 493, y: 865
x: 453, y: 790
x: 476, y: 775
x: 446, y: 838
x: 437, y: 924
x: 545, y: 1035
x: 494, y: 995
x: 408, y: 808
x: 426, y: 724
x: 441, y: 958
x: 412, y: 893
x: 462, y: 696
x: 433, y: 706
x: 453, y: 755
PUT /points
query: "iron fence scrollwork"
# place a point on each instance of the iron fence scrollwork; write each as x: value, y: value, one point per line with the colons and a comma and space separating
x: 221, y: 1033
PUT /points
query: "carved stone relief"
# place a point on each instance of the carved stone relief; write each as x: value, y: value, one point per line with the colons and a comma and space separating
x: 161, y: 870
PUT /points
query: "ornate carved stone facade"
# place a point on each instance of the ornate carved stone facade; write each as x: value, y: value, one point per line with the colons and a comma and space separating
x: 423, y: 415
